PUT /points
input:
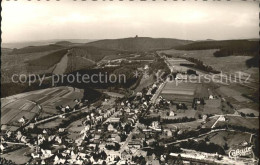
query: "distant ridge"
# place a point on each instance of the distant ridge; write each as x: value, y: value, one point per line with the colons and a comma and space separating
x: 23, y: 44
x: 138, y: 43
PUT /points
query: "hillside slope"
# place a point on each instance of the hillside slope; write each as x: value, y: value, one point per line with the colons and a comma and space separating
x: 35, y: 49
x: 138, y: 43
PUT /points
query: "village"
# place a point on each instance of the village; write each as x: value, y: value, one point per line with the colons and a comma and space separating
x: 151, y: 127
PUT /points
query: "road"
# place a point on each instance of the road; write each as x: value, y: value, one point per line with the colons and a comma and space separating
x: 213, y: 126
x: 157, y: 93
x: 129, y: 138
x: 56, y: 116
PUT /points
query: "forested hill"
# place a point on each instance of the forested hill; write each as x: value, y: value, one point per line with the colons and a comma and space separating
x: 138, y: 43
x: 226, y: 47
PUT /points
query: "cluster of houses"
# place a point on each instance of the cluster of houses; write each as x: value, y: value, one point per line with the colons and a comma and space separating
x: 109, y: 133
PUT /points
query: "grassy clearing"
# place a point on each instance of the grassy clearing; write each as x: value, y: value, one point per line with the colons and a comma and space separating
x: 231, y: 138
x: 18, y: 156
x: 145, y: 82
x: 77, y: 63
x: 184, y: 126
x: 240, y: 121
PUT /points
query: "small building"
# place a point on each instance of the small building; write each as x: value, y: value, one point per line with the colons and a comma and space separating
x: 150, y: 141
x: 211, y: 97
x: 171, y: 113
x: 22, y: 120
x: 118, y: 139
x: 110, y: 127
x: 61, y: 129
x: 222, y: 118
x: 204, y: 117
x: 168, y: 132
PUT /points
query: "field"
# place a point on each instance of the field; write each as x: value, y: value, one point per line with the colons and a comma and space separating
x: 17, y: 64
x: 175, y: 64
x: 145, y: 82
x: 178, y: 113
x: 184, y: 92
x: 231, y: 138
x: 24, y: 104
x: 113, y: 94
x: 248, y: 111
x: 252, y: 123
x: 51, y: 124
x: 12, y: 112
x: 77, y: 63
x: 239, y: 95
x: 18, y: 156
x: 75, y: 128
x: 212, y: 107
x: 232, y: 93
x: 229, y: 64
x: 183, y: 126
x: 186, y: 88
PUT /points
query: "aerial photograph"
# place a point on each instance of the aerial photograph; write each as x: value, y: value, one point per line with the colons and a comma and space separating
x: 129, y: 82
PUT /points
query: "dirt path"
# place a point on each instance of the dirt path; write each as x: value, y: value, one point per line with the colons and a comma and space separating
x: 62, y: 65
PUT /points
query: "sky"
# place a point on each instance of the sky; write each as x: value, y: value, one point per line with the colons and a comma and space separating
x: 66, y: 19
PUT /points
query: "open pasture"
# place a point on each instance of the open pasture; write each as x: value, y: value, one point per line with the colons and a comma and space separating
x: 16, y: 107
x: 231, y: 138
x: 252, y: 123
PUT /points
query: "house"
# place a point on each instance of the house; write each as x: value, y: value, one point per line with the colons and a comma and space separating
x: 222, y: 118
x: 118, y: 139
x: 58, y: 139
x: 23, y: 139
x: 155, y: 126
x: 111, y: 155
x: 19, y: 135
x: 67, y: 107
x: 151, y: 141
x: 211, y: 97
x: 50, y: 138
x: 43, y: 162
x: 35, y: 155
x: 139, y: 94
x: 22, y: 120
x: 114, y: 120
x: 204, y: 117
x: 31, y: 125
x: 126, y: 154
x: 171, y: 113
x: 168, y: 132
x: 180, y: 132
x: 8, y: 133
x: 110, y: 127
x: 135, y: 144
x: 61, y: 129
x: 244, y: 143
x: 46, y: 153
x: 2, y: 147
x: 44, y: 131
